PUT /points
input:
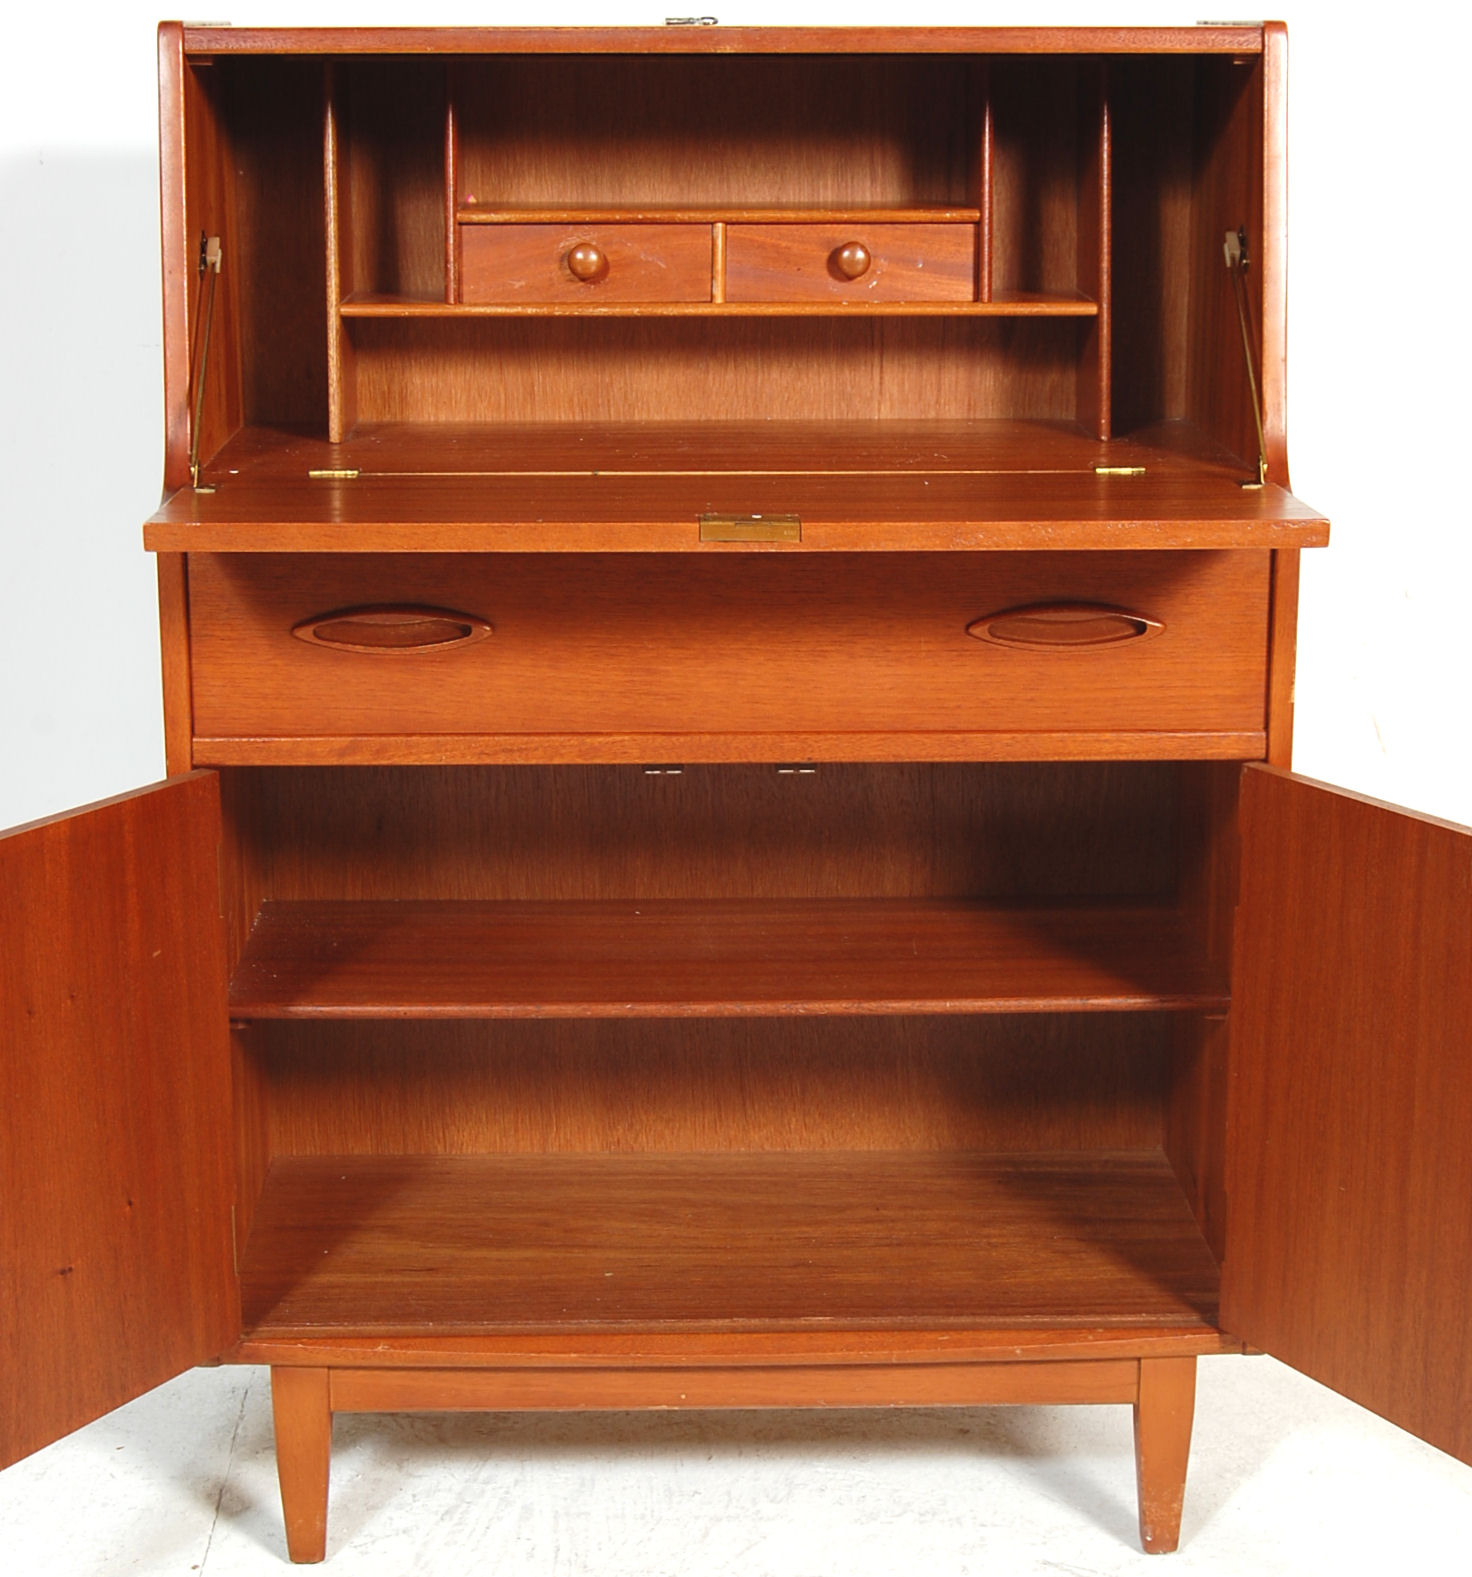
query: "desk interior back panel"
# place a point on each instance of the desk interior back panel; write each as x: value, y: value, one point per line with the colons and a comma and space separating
x: 1026, y: 1083
x: 734, y: 369
x: 1002, y: 830
x: 569, y: 131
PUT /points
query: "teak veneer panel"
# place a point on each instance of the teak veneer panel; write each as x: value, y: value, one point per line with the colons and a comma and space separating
x: 1012, y: 832
x: 676, y: 213
x: 316, y: 750
x: 711, y: 1243
x: 718, y: 957
x: 528, y: 263
x: 638, y: 486
x: 1349, y: 1162
x: 791, y: 304
x: 1000, y: 1083
x: 717, y: 129
x: 885, y: 1384
x: 586, y: 1349
x: 756, y: 644
x: 641, y: 514
x: 910, y: 262
x: 1222, y: 39
x: 115, y: 1233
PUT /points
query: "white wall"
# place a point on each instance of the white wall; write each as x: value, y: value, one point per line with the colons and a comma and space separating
x: 1380, y: 348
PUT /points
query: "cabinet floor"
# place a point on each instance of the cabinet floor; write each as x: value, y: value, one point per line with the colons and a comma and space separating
x: 957, y: 1240
x: 1287, y: 1480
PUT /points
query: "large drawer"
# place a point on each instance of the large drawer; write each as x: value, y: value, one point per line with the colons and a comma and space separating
x: 760, y: 643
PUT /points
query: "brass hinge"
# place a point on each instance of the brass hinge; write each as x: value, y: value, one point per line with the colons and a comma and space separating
x: 751, y: 528
x: 329, y: 474
x: 1119, y: 470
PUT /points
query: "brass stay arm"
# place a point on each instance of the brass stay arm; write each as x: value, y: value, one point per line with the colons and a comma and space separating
x: 1235, y: 251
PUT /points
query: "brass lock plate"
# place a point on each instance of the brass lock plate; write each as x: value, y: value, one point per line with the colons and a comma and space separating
x: 751, y: 528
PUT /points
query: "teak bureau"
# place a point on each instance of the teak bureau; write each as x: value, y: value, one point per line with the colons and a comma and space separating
x: 728, y: 609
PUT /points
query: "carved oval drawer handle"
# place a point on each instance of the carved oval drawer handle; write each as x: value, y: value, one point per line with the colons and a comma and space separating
x: 391, y: 629
x: 587, y: 262
x: 852, y: 259
x: 1064, y: 626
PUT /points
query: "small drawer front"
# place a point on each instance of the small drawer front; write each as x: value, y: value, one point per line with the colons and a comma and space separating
x: 584, y: 264
x: 860, y: 262
x: 305, y: 645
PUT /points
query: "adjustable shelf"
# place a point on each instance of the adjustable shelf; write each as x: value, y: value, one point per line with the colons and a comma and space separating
x: 803, y: 1242
x: 714, y: 958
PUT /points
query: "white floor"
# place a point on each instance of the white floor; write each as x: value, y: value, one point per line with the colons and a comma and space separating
x: 1286, y: 1478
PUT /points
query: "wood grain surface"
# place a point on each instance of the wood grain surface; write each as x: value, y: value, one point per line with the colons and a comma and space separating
x: 718, y: 957
x: 1222, y: 38
x: 721, y: 130
x: 781, y: 302
x: 115, y: 1173
x: 1164, y: 1409
x: 302, y: 1419
x: 995, y: 1082
x: 1028, y: 832
x: 484, y: 213
x: 639, y: 486
x: 737, y: 1349
x: 528, y: 262
x: 703, y: 1242
x: 907, y: 262
x: 853, y: 1385
x: 731, y: 644
x: 1349, y: 1168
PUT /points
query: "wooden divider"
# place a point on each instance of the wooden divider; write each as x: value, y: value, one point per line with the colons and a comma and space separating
x: 341, y: 386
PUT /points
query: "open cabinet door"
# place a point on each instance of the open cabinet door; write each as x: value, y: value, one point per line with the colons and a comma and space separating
x: 1349, y: 1153
x: 116, y: 1263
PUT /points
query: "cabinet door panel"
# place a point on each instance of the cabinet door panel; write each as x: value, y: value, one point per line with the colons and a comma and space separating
x: 116, y: 1263
x: 1349, y: 1239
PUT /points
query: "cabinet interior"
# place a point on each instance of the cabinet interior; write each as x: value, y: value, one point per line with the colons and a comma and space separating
x: 1035, y: 1124
x: 1095, y: 194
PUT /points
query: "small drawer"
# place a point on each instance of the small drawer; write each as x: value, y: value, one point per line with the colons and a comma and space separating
x: 859, y: 262
x: 631, y: 646
x: 584, y: 264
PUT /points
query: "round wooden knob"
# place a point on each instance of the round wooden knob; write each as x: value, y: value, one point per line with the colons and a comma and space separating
x: 852, y: 259
x: 587, y: 262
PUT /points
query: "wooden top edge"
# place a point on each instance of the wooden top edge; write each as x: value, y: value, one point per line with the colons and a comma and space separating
x: 89, y: 807
x: 731, y: 1349
x: 745, y: 1349
x: 1225, y: 40
x: 164, y: 534
x: 1425, y: 818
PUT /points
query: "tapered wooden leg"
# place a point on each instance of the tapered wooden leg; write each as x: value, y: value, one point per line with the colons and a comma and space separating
x: 303, y: 1416
x: 1163, y: 1411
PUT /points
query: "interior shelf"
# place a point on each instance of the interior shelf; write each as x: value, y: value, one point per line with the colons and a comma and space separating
x: 1004, y: 304
x: 724, y: 1242
x: 676, y: 213
x: 673, y: 958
